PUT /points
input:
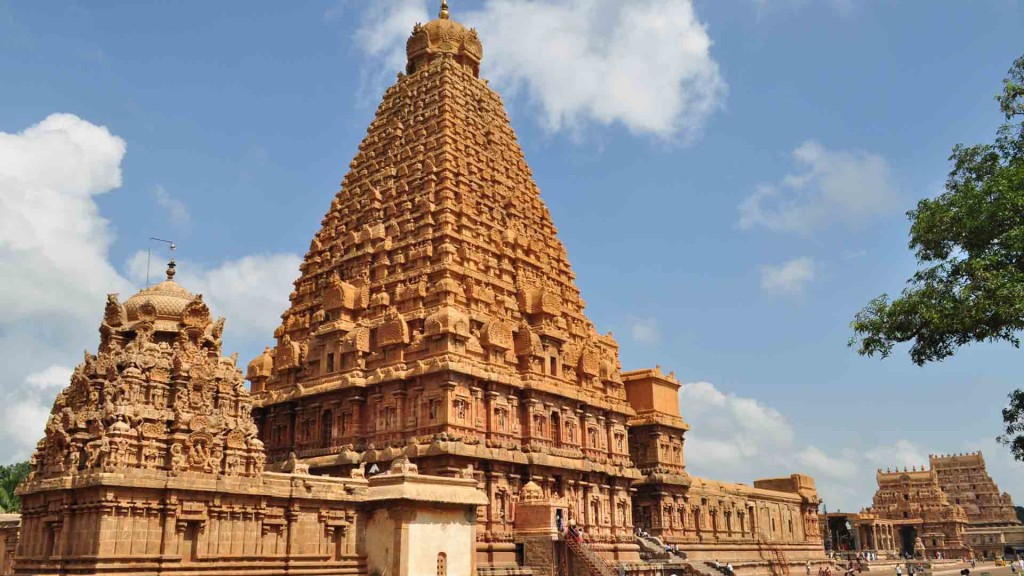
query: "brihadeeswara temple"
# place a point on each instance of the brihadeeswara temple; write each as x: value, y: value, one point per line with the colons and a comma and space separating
x: 437, y: 401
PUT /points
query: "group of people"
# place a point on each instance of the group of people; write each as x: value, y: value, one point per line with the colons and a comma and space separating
x: 728, y: 567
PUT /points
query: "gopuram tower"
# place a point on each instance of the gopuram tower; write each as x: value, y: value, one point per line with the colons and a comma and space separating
x: 436, y: 317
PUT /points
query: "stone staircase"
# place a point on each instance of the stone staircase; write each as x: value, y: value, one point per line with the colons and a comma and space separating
x: 594, y: 564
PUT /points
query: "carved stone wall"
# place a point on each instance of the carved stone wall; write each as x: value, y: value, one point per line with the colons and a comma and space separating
x: 151, y: 462
x: 966, y: 482
x: 9, y: 528
x: 156, y: 396
x: 914, y: 499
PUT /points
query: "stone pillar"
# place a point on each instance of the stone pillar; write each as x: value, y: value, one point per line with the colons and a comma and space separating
x: 489, y: 422
x: 476, y: 418
x: 400, y: 397
x: 400, y: 542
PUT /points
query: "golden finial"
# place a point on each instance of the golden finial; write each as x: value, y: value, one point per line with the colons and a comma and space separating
x: 444, y: 10
x: 170, y: 269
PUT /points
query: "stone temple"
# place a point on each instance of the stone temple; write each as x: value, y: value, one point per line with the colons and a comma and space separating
x: 950, y: 509
x: 436, y: 401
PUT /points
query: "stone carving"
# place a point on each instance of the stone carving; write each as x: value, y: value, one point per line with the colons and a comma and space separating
x: 294, y: 466
x: 157, y: 395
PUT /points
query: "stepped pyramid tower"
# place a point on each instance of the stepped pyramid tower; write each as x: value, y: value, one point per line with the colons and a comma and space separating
x: 436, y: 318
x: 436, y: 314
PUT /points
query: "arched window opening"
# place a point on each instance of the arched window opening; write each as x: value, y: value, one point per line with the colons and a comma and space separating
x: 442, y: 564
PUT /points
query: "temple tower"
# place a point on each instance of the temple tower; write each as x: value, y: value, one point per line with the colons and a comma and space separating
x: 436, y: 317
x: 964, y: 478
x: 927, y: 521
x: 151, y: 463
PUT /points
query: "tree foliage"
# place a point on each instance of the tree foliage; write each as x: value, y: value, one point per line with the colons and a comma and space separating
x: 10, y: 476
x: 969, y: 244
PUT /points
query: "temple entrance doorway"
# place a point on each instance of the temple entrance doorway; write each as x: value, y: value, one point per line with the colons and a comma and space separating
x: 908, y: 534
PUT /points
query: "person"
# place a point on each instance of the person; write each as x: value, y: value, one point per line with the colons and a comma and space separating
x: 728, y: 569
x: 717, y: 565
x: 899, y: 570
x: 808, y: 568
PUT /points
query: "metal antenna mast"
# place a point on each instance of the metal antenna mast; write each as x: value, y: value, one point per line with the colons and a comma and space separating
x: 149, y: 253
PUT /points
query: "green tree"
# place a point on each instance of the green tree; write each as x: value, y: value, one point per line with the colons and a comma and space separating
x: 10, y: 476
x: 969, y: 244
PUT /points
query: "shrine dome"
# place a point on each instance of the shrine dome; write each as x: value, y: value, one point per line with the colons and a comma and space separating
x: 443, y: 36
x: 168, y: 299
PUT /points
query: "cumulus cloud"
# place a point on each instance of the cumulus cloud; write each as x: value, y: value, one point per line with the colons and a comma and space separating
x: 54, y: 250
x: 643, y: 330
x: 729, y: 431
x: 176, y: 210
x: 739, y: 439
x: 814, y: 459
x: 789, y: 277
x: 645, y: 65
x: 829, y: 186
x: 898, y: 454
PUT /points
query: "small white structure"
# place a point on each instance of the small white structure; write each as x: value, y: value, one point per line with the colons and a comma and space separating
x: 422, y: 525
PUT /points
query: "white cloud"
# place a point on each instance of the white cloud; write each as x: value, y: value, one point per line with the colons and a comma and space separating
x: 177, y: 211
x: 645, y: 65
x: 898, y: 454
x: 52, y: 377
x: 643, y: 330
x: 790, y: 277
x: 51, y: 231
x: 830, y: 186
x: 821, y: 463
x: 385, y: 28
x: 739, y: 439
x: 54, y: 250
x: 729, y: 432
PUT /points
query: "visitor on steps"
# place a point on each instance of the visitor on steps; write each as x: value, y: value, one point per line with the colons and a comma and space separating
x: 899, y: 570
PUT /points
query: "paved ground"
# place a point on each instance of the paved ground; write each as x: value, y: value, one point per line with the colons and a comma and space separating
x: 988, y: 567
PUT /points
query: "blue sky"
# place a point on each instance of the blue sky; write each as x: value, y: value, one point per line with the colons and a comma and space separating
x: 729, y: 178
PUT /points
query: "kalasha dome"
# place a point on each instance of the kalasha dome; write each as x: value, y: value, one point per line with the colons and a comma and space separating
x: 436, y: 400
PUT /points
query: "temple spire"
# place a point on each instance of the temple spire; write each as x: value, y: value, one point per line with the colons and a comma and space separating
x: 443, y: 14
